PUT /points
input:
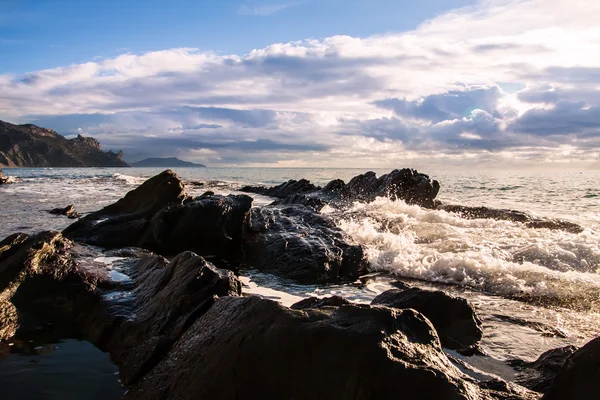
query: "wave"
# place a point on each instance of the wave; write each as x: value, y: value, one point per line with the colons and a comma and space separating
x: 498, y: 257
x: 130, y: 180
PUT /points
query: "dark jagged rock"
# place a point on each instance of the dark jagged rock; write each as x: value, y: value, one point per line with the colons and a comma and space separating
x: 3, y: 179
x: 160, y: 217
x: 295, y: 242
x: 511, y: 215
x: 315, y: 302
x: 68, y: 211
x: 578, y: 377
x: 284, y: 190
x: 31, y: 146
x: 167, y: 297
x: 540, y: 374
x: 122, y: 223
x: 47, y: 278
x: 405, y: 184
x: 237, y: 350
x: 177, y: 330
x: 453, y: 317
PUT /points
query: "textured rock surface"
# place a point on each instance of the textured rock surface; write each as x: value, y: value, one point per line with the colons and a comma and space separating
x: 405, y: 184
x: 252, y: 348
x: 579, y: 377
x: 540, y: 374
x: 31, y: 146
x: 511, y: 215
x: 69, y: 211
x: 453, y: 317
x: 297, y: 243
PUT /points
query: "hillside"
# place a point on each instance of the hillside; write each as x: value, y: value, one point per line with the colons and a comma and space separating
x: 31, y: 146
x: 166, y: 163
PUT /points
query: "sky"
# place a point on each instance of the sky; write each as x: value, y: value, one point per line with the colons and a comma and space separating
x: 304, y: 83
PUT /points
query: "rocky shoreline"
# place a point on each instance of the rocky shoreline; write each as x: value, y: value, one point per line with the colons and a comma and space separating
x: 174, y: 318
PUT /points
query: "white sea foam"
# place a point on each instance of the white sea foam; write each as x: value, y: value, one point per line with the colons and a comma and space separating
x: 130, y: 180
x: 500, y: 257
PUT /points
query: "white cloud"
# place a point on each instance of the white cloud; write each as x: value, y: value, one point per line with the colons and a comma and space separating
x: 436, y: 90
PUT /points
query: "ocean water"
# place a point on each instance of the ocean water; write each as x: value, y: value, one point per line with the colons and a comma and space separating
x: 535, y: 289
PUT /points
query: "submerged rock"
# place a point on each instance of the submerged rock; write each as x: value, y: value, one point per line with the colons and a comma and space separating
x: 511, y: 215
x: 297, y: 243
x: 453, y: 317
x: 404, y: 184
x: 540, y: 374
x: 578, y: 377
x: 68, y: 211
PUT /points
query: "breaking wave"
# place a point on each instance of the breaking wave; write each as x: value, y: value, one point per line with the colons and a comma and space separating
x: 505, y: 258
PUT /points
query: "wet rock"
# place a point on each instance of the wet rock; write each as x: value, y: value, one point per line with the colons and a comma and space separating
x: 39, y: 276
x: 237, y: 350
x: 2, y: 178
x: 207, y: 225
x: 49, y: 279
x: 578, y: 377
x: 122, y: 224
x: 167, y: 297
x: 68, y: 211
x: 453, y: 317
x: 511, y: 215
x: 540, y: 374
x: 315, y: 302
x: 160, y: 217
x: 284, y: 190
x: 404, y: 184
x: 297, y: 243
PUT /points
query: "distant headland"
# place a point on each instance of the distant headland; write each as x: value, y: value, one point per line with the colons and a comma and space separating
x: 165, y: 163
x: 29, y: 145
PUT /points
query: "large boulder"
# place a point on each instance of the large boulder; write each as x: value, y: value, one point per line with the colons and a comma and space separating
x: 122, y: 224
x: 253, y: 348
x: 453, y: 317
x: 207, y: 225
x: 284, y: 190
x: 540, y: 374
x: 297, y: 243
x: 160, y: 217
x: 578, y: 379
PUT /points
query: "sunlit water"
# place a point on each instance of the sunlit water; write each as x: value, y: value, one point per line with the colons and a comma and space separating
x: 549, y: 279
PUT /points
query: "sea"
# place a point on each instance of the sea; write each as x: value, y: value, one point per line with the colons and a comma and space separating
x: 534, y: 289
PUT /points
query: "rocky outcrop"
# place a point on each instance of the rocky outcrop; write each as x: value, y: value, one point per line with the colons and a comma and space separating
x: 3, y: 179
x: 578, y: 377
x: 31, y: 146
x: 453, y: 317
x: 160, y: 217
x: 297, y: 243
x: 178, y: 330
x: 540, y: 374
x: 289, y: 188
x: 404, y: 184
x: 511, y: 215
x: 251, y: 348
x: 135, y: 314
x: 68, y: 211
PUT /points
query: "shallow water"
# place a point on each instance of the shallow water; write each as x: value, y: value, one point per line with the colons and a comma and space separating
x: 34, y: 367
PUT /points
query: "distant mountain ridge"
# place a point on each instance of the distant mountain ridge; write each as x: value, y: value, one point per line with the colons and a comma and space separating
x: 29, y: 145
x: 165, y: 162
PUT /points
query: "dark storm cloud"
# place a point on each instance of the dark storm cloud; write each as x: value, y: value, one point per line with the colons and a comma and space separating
x: 445, y: 106
x: 565, y: 118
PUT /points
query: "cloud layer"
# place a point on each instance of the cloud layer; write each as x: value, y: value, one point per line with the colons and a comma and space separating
x: 501, y: 82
